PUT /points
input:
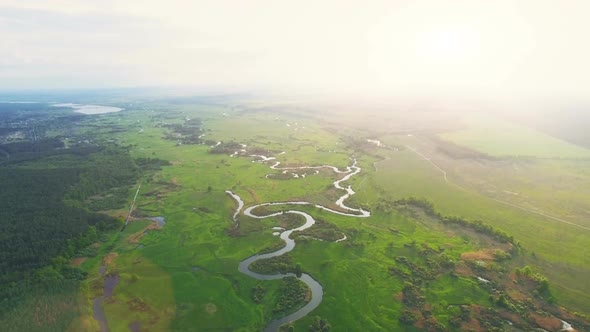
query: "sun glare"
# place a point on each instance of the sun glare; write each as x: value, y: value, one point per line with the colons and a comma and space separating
x: 422, y: 49
x: 430, y: 56
x: 447, y: 46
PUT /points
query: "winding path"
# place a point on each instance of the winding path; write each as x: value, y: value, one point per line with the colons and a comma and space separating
x: 315, y: 287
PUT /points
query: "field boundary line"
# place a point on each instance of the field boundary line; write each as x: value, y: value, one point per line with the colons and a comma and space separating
x: 429, y: 160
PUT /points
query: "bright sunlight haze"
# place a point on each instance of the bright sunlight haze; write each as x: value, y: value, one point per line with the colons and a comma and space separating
x: 371, y: 48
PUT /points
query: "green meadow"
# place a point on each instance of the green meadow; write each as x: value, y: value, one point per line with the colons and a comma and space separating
x: 502, y: 138
x: 400, y: 269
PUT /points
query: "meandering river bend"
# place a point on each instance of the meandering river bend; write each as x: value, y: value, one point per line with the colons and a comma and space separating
x: 315, y: 287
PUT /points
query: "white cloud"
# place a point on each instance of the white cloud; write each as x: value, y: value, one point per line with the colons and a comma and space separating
x: 326, y: 46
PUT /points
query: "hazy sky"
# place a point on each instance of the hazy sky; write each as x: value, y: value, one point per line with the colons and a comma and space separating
x: 381, y: 47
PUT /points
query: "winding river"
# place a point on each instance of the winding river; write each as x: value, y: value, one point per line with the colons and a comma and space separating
x: 315, y: 287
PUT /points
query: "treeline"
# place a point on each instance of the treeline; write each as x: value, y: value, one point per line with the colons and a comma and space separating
x: 110, y: 168
x: 226, y: 148
x: 41, y: 306
x: 17, y: 152
x: 541, y: 282
x: 477, y: 225
x: 151, y: 164
x: 38, y: 146
x: 188, y: 133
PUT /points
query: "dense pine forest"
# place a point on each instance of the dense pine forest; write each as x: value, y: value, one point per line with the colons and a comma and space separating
x: 49, y: 202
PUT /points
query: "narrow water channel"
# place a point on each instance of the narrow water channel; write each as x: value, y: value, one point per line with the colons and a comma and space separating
x: 315, y: 287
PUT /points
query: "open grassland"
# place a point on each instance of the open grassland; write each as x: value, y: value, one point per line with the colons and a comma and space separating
x: 558, y: 247
x: 357, y: 271
x: 502, y: 138
x: 193, y: 253
x: 184, y: 276
x: 542, y: 199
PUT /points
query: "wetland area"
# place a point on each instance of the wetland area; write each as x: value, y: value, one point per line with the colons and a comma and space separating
x: 309, y: 221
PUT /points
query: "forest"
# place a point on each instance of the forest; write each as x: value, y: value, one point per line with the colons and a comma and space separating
x: 45, y: 218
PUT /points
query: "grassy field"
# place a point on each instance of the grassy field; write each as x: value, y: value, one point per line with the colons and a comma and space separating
x: 407, y: 174
x: 184, y: 276
x: 501, y: 138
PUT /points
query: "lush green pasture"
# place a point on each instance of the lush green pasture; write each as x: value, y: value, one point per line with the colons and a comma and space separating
x: 184, y: 276
x: 556, y: 187
x: 500, y: 138
x: 354, y: 274
x: 192, y: 259
x: 557, y: 246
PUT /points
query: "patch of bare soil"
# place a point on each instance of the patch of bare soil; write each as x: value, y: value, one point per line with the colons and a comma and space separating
x: 137, y: 305
x: 77, y: 261
x: 135, y: 237
x: 546, y: 323
x: 108, y: 259
x: 515, y: 294
x: 463, y: 270
x: 421, y: 322
x: 511, y: 316
x: 210, y: 308
x: 82, y: 323
x: 484, y: 255
x: 473, y: 324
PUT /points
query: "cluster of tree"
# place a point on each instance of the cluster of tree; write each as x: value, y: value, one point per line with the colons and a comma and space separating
x: 458, y: 315
x: 258, y: 293
x: 281, y: 264
x: 188, y: 133
x: 413, y: 296
x: 416, y: 274
x: 434, y: 262
x: 480, y: 227
x: 319, y: 325
x: 291, y: 298
x: 111, y: 168
x: 408, y: 317
x: 323, y: 230
x: 226, y: 148
x: 410, y: 272
x: 542, y: 284
x: 151, y: 164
